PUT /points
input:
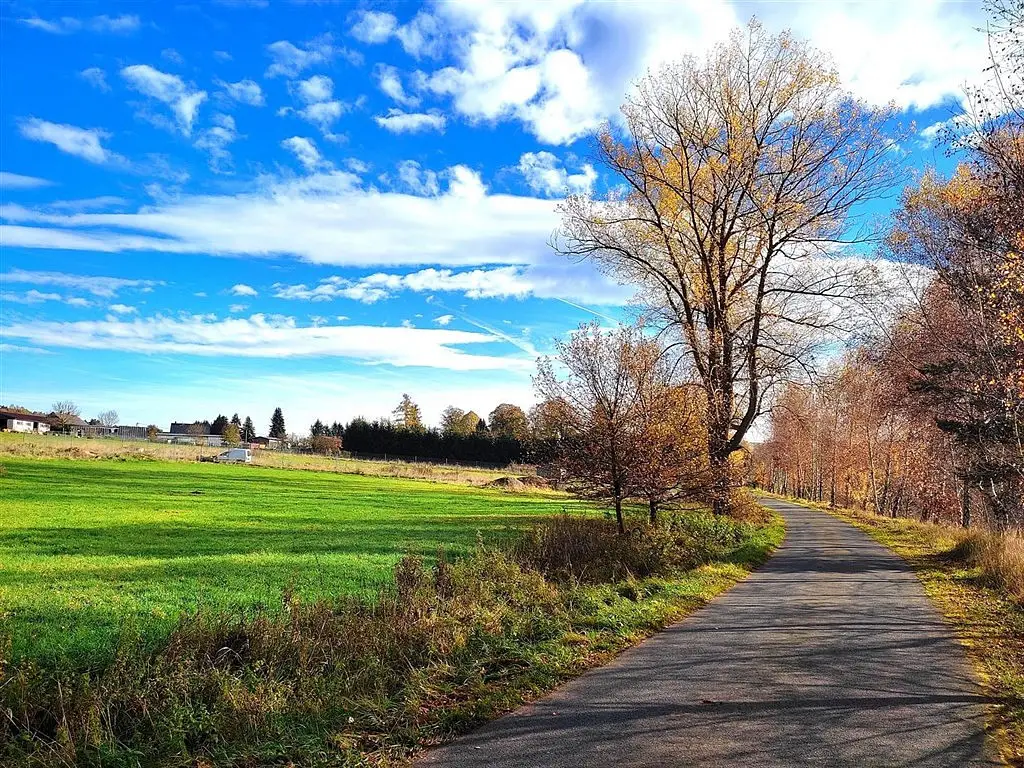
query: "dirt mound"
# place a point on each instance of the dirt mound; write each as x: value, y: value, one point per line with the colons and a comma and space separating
x: 507, y: 483
x: 519, y: 483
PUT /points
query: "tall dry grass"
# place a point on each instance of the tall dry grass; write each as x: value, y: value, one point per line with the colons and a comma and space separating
x: 999, y: 557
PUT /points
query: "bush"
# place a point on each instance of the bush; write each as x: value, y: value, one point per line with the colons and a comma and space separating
x: 325, y: 444
x: 589, y: 550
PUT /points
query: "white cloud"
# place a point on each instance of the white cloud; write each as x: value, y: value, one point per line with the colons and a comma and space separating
x: 316, y: 88
x: 236, y: 308
x: 460, y: 225
x: 105, y: 287
x: 30, y: 297
x: 172, y: 56
x: 81, y: 142
x: 95, y: 77
x: 244, y: 92
x: 390, y: 82
x: 222, y: 56
x: 373, y: 26
x: 170, y: 89
x: 305, y: 152
x: 563, y: 66
x: 269, y: 336
x: 418, y: 180
x: 68, y: 24
x: 290, y: 60
x: 397, y: 121
x: 554, y: 280
x: 444, y: 319
x: 420, y: 37
x: 123, y: 309
x: 10, y: 180
x: 324, y: 114
x: 241, y: 289
x: 215, y: 141
x: 544, y: 173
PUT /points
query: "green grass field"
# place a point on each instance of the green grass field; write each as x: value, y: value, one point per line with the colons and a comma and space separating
x: 88, y: 548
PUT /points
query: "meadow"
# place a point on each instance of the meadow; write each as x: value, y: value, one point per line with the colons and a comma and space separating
x: 91, y: 548
x: 64, y: 447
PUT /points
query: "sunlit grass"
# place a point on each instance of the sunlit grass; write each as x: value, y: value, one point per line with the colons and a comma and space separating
x: 87, y: 547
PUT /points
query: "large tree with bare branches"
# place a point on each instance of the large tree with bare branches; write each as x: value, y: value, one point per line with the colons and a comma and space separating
x: 743, y: 173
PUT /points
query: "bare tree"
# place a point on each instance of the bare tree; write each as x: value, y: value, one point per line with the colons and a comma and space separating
x: 108, y: 418
x: 742, y: 173
x: 65, y: 412
x: 597, y: 407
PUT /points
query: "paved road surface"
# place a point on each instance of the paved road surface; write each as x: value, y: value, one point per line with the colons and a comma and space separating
x: 830, y: 655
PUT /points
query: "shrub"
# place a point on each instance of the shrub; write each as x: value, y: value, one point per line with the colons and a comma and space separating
x: 590, y: 550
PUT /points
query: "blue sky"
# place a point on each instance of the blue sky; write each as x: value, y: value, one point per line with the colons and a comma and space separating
x: 226, y: 207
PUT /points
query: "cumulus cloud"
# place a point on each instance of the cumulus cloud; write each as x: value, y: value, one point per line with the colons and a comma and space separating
x: 418, y: 180
x: 390, y: 82
x: 554, y: 68
x: 241, y: 289
x: 244, y: 92
x: 544, y: 173
x: 123, y: 309
x: 85, y: 143
x: 422, y: 36
x: 183, y: 99
x: 215, y: 140
x: 269, y: 336
x: 305, y: 152
x: 444, y: 319
x: 373, y: 26
x: 17, y: 181
x: 290, y: 60
x: 397, y: 121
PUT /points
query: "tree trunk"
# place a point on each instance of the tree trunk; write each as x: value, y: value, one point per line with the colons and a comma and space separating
x: 965, y: 506
x: 653, y: 511
x: 618, y: 514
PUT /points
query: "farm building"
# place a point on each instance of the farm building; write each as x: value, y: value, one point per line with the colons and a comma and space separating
x: 24, y: 421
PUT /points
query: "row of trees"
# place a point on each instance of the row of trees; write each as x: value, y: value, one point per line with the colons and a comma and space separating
x: 506, y: 436
x: 927, y: 418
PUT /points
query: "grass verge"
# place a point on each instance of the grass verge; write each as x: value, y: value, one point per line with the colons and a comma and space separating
x: 351, y: 681
x: 969, y: 576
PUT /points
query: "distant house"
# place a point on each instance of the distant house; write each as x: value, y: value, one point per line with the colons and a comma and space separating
x: 267, y: 442
x: 24, y: 421
x: 188, y: 427
x: 184, y: 438
x: 67, y: 424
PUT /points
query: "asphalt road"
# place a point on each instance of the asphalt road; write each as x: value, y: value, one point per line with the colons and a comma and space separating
x: 829, y: 655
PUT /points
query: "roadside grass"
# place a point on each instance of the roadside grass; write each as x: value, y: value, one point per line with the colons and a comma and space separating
x: 974, y: 578
x: 93, y: 549
x: 342, y: 681
x: 62, y: 447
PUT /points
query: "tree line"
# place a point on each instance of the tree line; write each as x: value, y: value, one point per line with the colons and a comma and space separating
x: 925, y: 417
